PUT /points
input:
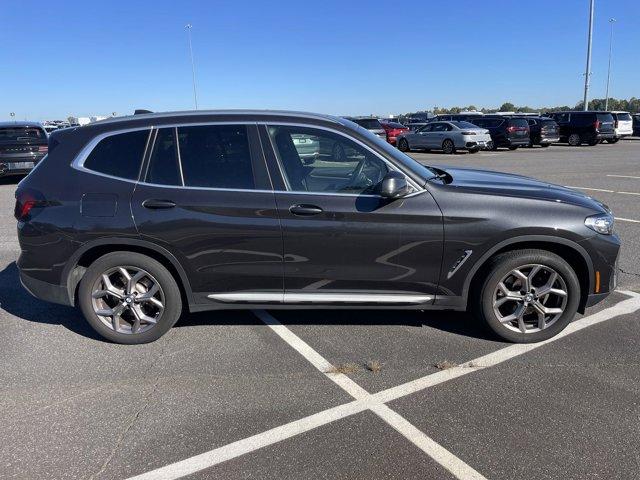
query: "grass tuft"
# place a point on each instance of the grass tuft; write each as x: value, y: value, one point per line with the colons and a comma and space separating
x: 373, y: 366
x: 345, y: 368
x: 445, y: 364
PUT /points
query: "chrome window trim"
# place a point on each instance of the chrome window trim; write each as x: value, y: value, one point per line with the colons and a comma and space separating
x: 78, y: 161
x: 389, y: 164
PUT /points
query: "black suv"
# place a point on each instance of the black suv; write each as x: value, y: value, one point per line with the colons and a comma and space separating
x: 22, y: 146
x: 543, y: 131
x: 134, y: 218
x: 591, y: 128
x: 505, y: 131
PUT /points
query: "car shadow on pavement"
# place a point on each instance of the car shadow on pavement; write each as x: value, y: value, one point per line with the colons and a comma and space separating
x: 15, y: 300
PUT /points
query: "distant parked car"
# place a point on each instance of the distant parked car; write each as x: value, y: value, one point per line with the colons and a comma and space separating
x: 623, y: 125
x: 22, y: 146
x: 509, y: 132
x: 446, y: 136
x: 543, y: 131
x: 371, y: 124
x: 393, y: 129
x: 591, y: 128
x: 456, y: 117
x: 636, y: 125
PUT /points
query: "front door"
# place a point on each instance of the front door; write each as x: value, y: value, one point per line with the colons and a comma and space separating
x: 344, y: 243
x: 206, y: 198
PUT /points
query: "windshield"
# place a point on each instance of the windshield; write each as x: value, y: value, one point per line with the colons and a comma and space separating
x: 519, y: 122
x: 464, y: 125
x: 21, y: 134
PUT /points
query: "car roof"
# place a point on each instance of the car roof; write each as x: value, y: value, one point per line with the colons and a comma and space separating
x: 193, y: 114
x: 20, y: 124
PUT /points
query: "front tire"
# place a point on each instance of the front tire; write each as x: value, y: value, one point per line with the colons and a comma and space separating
x: 513, y: 147
x: 129, y: 298
x: 403, y: 145
x: 574, y: 140
x: 527, y: 295
x: 613, y: 140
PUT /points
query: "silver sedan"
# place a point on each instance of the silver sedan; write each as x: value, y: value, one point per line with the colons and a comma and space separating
x: 446, y: 136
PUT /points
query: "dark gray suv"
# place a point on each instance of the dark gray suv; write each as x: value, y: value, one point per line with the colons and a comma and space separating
x: 136, y: 219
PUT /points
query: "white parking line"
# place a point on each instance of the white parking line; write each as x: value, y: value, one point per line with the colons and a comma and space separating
x: 376, y: 402
x: 594, y: 189
x: 623, y: 176
x: 627, y: 220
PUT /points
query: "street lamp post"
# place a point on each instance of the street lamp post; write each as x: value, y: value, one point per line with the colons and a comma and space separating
x: 587, y: 73
x: 606, y: 102
x: 188, y: 26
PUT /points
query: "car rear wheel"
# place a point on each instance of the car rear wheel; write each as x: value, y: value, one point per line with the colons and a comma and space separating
x: 527, y: 295
x: 513, y: 147
x: 403, y: 145
x: 448, y: 147
x: 593, y: 142
x: 612, y: 140
x: 474, y: 150
x: 129, y: 298
x: 574, y: 140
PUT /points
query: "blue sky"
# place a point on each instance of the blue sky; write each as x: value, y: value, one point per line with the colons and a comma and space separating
x: 342, y: 57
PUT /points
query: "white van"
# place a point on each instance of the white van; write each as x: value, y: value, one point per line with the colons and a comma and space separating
x: 623, y: 125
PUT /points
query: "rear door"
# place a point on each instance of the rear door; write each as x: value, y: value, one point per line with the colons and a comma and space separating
x: 206, y: 197
x: 343, y: 243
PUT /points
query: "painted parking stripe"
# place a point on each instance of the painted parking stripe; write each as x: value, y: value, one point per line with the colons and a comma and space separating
x: 627, y: 220
x: 623, y: 176
x: 594, y: 189
x: 372, y: 402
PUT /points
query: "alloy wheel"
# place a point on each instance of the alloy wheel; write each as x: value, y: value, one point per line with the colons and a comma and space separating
x: 128, y: 299
x: 530, y: 298
x: 447, y: 146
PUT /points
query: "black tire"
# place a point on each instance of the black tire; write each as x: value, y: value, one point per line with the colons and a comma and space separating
x: 403, y: 145
x: 448, y: 146
x: 172, y: 297
x: 474, y: 150
x: 593, y: 142
x: 574, y: 140
x: 493, y: 146
x: 544, y: 145
x: 499, y: 266
x: 613, y: 140
x: 513, y: 147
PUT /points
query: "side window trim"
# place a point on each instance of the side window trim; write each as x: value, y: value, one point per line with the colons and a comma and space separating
x: 392, y: 166
x: 78, y: 162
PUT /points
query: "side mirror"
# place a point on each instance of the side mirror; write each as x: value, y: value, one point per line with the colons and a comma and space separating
x: 394, y: 185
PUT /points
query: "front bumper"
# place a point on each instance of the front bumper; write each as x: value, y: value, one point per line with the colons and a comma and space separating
x: 603, y: 251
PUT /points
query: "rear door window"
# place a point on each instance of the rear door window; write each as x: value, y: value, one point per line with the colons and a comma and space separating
x: 519, y: 122
x: 119, y: 155
x: 624, y: 117
x: 163, y: 163
x: 216, y: 156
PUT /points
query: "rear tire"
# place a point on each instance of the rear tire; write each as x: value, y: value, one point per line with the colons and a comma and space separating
x: 574, y: 140
x: 544, y: 145
x: 593, y: 142
x: 513, y: 147
x: 448, y: 147
x: 488, y: 304
x: 613, y: 140
x: 403, y: 145
x: 155, y: 316
x: 474, y: 150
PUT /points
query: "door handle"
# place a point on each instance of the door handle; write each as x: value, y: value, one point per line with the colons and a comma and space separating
x: 155, y: 204
x: 305, y: 210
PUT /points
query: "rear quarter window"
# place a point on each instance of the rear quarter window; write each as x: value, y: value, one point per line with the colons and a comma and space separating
x: 119, y: 155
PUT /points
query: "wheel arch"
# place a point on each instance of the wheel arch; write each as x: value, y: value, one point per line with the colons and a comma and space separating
x: 570, y: 251
x: 90, y: 251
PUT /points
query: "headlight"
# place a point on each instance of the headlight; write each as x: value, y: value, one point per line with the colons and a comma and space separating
x: 601, y: 223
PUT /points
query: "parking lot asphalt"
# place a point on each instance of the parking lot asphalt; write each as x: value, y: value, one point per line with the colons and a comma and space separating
x: 235, y: 395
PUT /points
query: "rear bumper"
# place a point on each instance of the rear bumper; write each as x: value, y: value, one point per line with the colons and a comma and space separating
x: 17, y: 165
x: 604, y: 136
x: 549, y: 140
x: 46, y: 291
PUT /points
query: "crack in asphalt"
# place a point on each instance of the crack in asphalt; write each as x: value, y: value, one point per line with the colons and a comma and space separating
x: 629, y: 273
x: 134, y: 418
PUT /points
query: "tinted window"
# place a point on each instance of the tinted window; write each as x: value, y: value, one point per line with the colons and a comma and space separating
x: 21, y: 134
x: 368, y: 123
x: 532, y: 121
x: 163, y: 164
x: 321, y: 161
x: 519, y: 122
x: 562, y: 117
x: 216, y: 156
x: 604, y: 117
x: 426, y: 128
x: 394, y: 125
x: 480, y: 122
x: 119, y: 155
x: 625, y: 117
x: 464, y: 124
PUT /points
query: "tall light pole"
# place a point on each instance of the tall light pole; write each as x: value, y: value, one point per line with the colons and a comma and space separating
x: 188, y: 26
x: 587, y: 73
x: 606, y: 102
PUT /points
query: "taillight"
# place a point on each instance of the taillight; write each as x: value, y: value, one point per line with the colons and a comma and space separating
x: 597, y: 124
x: 26, y: 200
x: 511, y: 129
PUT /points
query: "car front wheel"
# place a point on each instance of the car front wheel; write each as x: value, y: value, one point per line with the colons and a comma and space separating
x: 129, y: 298
x: 527, y: 295
x: 574, y: 140
x: 403, y: 145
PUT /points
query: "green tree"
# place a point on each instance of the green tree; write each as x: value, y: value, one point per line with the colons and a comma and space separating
x: 507, y: 107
